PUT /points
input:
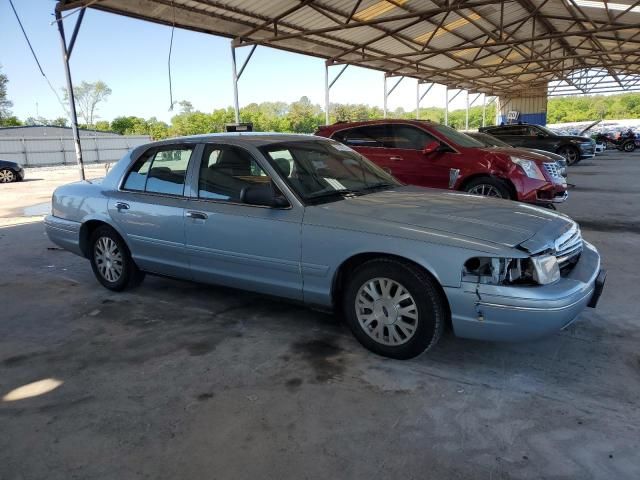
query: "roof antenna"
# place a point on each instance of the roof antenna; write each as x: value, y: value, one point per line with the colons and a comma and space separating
x: 173, y: 27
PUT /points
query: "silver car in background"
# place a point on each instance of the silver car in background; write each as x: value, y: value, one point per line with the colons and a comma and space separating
x: 309, y: 219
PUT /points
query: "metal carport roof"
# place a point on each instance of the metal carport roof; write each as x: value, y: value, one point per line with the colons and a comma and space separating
x: 499, y: 47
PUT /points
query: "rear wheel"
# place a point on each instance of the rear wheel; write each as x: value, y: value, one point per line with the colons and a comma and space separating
x: 629, y: 146
x: 7, y: 176
x: 111, y: 261
x: 489, y: 187
x: 394, y: 308
x: 571, y: 154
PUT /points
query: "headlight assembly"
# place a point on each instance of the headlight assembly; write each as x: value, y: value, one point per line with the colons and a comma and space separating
x: 545, y: 269
x: 540, y: 270
x: 529, y: 167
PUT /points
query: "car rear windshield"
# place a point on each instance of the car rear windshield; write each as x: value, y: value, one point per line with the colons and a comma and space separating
x: 456, y: 137
x: 320, y: 170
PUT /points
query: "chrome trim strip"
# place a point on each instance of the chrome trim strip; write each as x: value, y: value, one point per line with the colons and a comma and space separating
x: 534, y: 309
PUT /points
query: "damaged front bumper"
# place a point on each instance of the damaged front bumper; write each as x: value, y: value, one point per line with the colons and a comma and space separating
x: 519, y: 313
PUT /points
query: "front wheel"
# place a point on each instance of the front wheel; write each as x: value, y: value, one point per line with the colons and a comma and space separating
x: 629, y: 146
x: 571, y: 155
x: 489, y: 187
x: 7, y: 176
x: 394, y: 308
x: 111, y: 261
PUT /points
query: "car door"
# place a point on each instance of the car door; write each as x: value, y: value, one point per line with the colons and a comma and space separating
x: 536, y: 138
x: 515, y: 135
x: 149, y: 209
x: 236, y: 244
x: 372, y: 141
x: 413, y: 165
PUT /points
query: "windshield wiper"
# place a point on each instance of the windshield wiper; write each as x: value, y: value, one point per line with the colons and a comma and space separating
x: 343, y: 192
x: 376, y: 186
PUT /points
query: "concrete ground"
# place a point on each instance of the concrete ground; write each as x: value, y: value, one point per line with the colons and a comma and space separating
x: 177, y: 380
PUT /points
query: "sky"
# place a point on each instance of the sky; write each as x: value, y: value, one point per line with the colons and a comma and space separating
x: 130, y: 56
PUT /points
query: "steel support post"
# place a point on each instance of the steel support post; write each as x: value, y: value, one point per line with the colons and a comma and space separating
x: 466, y: 116
x: 327, y: 88
x: 386, y: 94
x: 420, y: 97
x: 446, y: 106
x: 236, y: 76
x: 384, y: 107
x: 484, y: 108
x: 66, y: 55
x: 326, y: 94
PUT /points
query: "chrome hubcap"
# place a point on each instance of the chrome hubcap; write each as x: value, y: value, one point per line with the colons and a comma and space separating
x: 108, y: 259
x: 486, y: 190
x: 6, y: 176
x: 386, y: 311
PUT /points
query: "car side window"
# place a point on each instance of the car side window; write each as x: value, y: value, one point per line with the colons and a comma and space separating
x: 225, y: 171
x: 160, y: 171
x: 376, y: 136
x: 408, y: 137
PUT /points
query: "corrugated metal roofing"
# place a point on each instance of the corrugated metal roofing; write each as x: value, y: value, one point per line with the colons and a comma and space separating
x: 497, y: 47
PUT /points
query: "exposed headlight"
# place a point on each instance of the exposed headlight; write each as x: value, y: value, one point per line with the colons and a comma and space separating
x: 529, y: 167
x: 545, y: 269
x: 540, y: 270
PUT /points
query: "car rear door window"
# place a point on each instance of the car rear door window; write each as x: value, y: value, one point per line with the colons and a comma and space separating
x: 160, y: 171
x: 376, y: 136
x: 225, y: 171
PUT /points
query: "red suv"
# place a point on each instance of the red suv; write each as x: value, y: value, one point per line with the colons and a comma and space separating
x: 432, y: 155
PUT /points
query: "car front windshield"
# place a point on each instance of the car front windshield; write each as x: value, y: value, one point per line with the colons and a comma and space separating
x: 457, y: 137
x: 324, y: 169
x: 548, y: 132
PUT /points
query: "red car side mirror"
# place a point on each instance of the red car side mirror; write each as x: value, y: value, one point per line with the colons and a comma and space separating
x: 431, y: 147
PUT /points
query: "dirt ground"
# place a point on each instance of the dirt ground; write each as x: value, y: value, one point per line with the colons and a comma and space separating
x: 178, y: 380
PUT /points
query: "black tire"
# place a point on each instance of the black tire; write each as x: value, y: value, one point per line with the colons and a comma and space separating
x: 629, y: 146
x: 130, y: 275
x: 426, y: 299
x: 571, y: 154
x: 490, y: 184
x: 7, y: 175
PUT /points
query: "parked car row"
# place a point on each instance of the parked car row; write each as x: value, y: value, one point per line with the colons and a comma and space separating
x: 572, y: 147
x: 432, y: 155
x: 312, y: 220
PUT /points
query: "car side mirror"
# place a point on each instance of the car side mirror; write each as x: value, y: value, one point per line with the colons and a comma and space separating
x: 264, y: 195
x: 431, y: 147
x: 541, y: 135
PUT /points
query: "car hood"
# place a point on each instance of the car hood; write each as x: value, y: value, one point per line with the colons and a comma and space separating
x: 496, y: 221
x: 577, y: 138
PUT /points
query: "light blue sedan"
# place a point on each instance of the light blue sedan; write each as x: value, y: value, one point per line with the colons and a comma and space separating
x: 309, y: 219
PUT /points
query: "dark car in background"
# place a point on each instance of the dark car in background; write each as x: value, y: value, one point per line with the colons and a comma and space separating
x: 572, y: 147
x: 491, y: 141
x: 10, y: 172
x: 428, y: 154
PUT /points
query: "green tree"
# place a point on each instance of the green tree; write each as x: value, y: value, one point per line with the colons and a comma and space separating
x: 88, y: 96
x: 60, y: 122
x: 5, y: 103
x: 103, y: 125
x: 305, y: 117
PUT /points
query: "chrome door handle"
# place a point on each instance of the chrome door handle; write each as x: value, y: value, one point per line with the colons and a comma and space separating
x: 395, y: 159
x: 197, y: 215
x: 122, y: 206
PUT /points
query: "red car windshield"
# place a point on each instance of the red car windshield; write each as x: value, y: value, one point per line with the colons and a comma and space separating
x: 459, y: 138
